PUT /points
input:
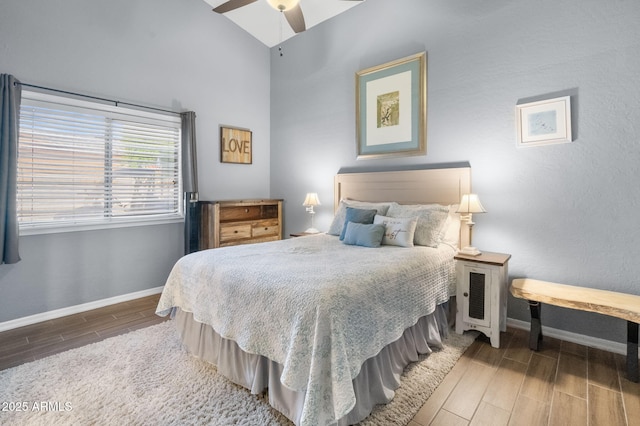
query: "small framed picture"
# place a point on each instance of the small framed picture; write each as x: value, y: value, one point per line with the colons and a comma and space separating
x: 235, y: 145
x: 544, y: 122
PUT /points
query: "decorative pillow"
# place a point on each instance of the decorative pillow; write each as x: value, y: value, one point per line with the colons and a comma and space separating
x: 399, y: 231
x: 366, y: 235
x: 338, y: 220
x: 357, y: 216
x: 431, y: 218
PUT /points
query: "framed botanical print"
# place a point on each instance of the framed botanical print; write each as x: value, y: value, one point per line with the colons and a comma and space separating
x: 391, y: 108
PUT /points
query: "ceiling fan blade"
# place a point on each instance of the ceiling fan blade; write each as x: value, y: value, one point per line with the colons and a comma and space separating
x: 232, y: 5
x: 295, y: 18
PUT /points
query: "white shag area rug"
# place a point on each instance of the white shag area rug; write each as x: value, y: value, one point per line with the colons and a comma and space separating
x: 146, y: 377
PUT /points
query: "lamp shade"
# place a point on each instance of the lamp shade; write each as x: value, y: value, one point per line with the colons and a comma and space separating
x: 283, y: 5
x: 311, y: 199
x: 470, y: 203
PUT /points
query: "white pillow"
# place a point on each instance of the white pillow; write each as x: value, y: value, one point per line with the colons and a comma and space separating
x: 338, y: 220
x: 399, y: 231
x: 450, y: 233
x: 431, y: 218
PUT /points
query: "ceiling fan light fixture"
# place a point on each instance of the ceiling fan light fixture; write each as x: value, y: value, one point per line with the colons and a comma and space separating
x: 283, y: 5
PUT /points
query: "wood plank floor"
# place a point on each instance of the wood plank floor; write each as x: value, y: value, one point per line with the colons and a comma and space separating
x: 40, y: 340
x: 563, y: 384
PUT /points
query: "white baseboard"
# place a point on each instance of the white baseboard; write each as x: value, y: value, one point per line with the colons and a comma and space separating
x: 594, y: 342
x: 45, y: 316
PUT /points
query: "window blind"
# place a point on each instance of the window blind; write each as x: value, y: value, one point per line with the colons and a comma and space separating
x: 85, y: 163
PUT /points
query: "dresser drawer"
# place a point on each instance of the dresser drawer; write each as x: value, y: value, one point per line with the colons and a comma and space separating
x: 234, y: 232
x: 237, y: 213
x: 265, y: 228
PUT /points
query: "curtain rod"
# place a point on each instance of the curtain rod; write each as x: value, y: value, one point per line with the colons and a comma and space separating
x: 116, y: 103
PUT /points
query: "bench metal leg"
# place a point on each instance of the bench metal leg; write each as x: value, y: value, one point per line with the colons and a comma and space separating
x: 632, y: 351
x: 535, y: 335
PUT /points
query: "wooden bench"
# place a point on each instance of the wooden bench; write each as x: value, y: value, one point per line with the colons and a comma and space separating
x: 625, y: 306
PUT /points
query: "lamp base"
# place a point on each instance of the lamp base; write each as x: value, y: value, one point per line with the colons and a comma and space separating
x: 312, y: 231
x: 470, y: 251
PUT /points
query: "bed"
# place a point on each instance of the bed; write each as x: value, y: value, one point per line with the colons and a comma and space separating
x: 326, y: 326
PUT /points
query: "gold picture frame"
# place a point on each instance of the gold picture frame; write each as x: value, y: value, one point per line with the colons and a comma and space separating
x: 235, y: 145
x: 391, y: 108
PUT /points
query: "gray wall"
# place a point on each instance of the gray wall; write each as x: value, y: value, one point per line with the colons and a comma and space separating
x: 566, y: 213
x: 171, y: 54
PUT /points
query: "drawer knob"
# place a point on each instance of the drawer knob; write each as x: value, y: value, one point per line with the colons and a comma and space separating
x: 235, y: 232
x: 246, y: 210
x: 266, y: 229
x: 465, y: 294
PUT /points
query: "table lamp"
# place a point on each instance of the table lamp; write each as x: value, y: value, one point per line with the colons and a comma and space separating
x: 469, y: 204
x: 311, y: 200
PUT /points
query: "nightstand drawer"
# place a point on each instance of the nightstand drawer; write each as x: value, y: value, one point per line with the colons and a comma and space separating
x: 234, y: 232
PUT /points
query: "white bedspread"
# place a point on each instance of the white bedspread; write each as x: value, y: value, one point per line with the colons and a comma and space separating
x: 318, y: 307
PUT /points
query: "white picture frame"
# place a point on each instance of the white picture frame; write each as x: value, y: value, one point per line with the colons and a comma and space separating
x: 544, y: 122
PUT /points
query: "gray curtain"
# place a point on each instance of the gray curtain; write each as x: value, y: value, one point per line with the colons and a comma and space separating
x: 189, y: 164
x: 10, y: 91
x: 190, y: 183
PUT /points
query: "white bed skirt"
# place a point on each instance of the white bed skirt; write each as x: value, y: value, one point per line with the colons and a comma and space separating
x: 379, y: 376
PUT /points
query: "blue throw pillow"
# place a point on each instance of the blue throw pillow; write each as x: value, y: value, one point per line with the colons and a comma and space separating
x: 357, y: 216
x: 366, y: 235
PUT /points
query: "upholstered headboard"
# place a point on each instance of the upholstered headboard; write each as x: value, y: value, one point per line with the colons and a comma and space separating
x: 442, y: 186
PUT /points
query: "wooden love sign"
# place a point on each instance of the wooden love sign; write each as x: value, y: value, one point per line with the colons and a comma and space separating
x: 235, y: 145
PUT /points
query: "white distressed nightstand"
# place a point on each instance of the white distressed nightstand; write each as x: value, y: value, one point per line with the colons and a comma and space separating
x: 482, y: 294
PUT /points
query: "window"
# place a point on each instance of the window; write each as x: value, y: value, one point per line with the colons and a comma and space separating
x: 84, y: 165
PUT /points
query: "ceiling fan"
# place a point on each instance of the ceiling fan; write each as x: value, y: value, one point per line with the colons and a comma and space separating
x: 290, y: 8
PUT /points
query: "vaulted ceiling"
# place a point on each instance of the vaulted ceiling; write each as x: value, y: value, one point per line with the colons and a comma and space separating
x: 270, y: 26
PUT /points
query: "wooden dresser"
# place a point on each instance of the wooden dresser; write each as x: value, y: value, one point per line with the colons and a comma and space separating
x: 233, y: 222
